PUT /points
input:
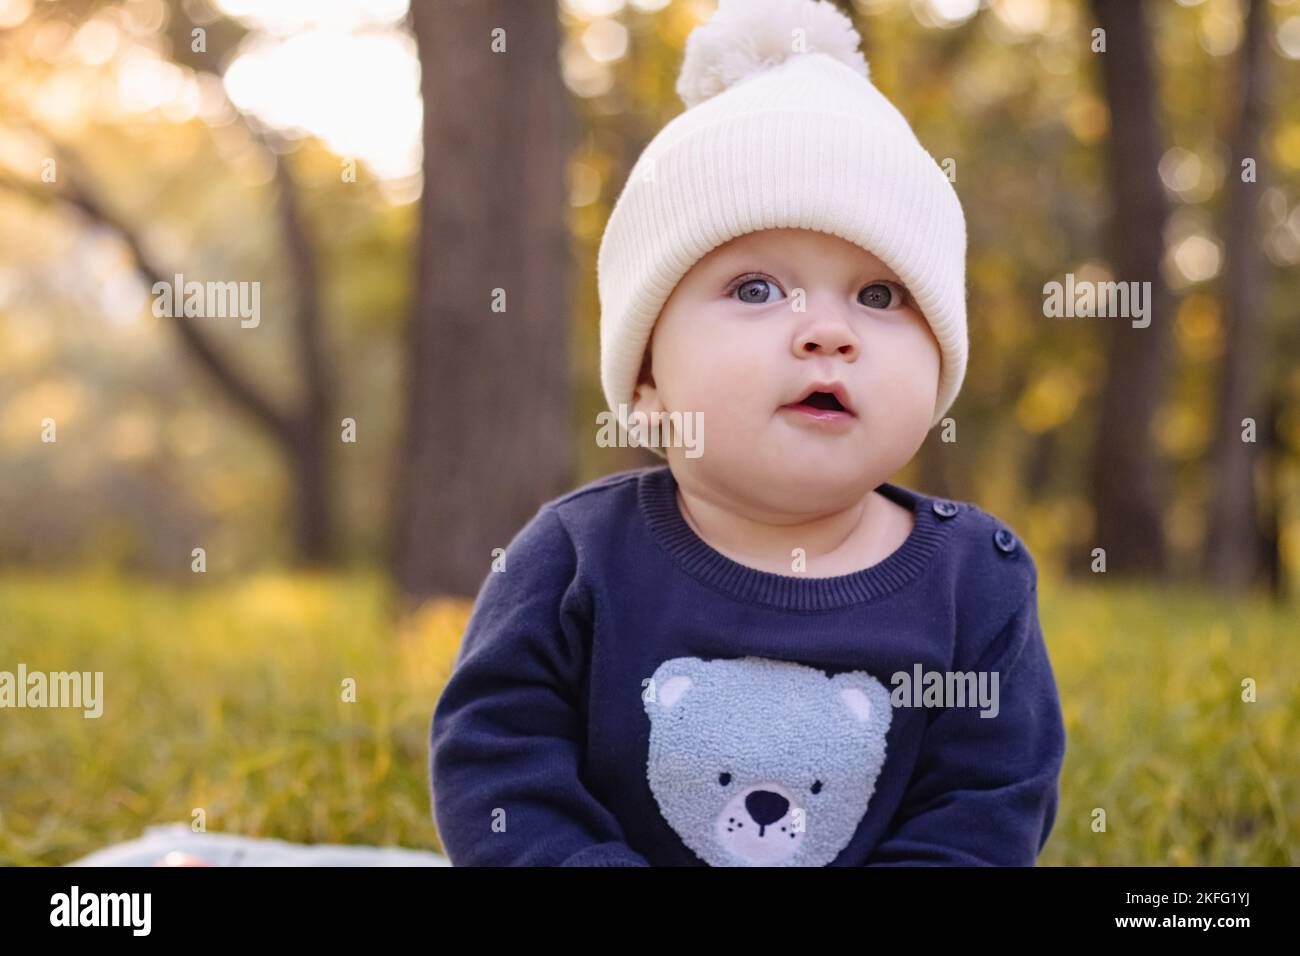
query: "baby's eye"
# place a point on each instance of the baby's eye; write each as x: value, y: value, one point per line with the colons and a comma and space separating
x: 757, y: 291
x: 883, y: 295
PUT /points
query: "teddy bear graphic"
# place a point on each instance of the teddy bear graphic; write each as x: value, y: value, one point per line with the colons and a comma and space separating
x: 760, y: 762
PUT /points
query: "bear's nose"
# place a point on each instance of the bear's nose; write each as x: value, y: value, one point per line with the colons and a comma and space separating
x: 766, y: 807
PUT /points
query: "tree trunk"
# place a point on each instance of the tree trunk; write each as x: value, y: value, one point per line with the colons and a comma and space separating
x: 488, y: 430
x: 308, y: 456
x: 1233, y: 540
x: 314, y: 430
x: 1271, y: 457
x: 1128, y: 473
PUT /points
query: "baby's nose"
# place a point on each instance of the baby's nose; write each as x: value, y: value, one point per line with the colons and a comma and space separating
x: 766, y: 807
x: 828, y: 337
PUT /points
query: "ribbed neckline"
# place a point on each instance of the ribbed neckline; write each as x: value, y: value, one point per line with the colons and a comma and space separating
x: 657, y: 494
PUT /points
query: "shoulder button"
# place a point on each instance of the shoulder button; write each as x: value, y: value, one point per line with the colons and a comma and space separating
x: 1005, y: 540
x: 944, y: 509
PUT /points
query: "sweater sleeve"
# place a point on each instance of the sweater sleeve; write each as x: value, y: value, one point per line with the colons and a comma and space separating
x: 985, y: 789
x: 506, y: 737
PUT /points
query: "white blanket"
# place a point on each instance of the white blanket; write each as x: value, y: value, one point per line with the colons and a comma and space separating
x: 175, y: 844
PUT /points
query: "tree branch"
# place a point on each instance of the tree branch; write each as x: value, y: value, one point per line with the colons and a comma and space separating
x: 238, y: 387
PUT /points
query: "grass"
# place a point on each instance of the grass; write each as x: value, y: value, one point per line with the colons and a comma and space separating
x: 1158, y: 735
x: 228, y: 698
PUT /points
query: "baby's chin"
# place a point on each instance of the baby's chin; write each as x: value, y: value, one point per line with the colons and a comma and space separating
x: 790, y: 472
x: 813, y: 479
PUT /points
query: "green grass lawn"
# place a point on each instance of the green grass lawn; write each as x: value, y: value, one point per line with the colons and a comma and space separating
x: 228, y: 698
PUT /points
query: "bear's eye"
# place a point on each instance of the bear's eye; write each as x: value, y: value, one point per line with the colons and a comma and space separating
x: 817, y: 786
x: 724, y: 778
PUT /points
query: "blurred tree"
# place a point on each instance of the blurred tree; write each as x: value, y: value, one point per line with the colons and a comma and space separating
x: 1234, y: 540
x: 308, y: 431
x: 302, y: 432
x: 1129, y: 484
x: 157, y: 461
x: 488, y: 432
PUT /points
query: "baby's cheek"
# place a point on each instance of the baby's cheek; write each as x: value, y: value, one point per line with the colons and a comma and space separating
x: 715, y: 386
x: 905, y: 393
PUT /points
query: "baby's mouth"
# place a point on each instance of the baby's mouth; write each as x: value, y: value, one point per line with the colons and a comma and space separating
x: 824, y: 402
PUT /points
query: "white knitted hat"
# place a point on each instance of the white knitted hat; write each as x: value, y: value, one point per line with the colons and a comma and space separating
x: 783, y: 129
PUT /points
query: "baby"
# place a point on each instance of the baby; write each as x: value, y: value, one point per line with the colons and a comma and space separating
x: 763, y: 652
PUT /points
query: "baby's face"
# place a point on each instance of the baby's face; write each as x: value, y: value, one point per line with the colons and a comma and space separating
x: 755, y: 327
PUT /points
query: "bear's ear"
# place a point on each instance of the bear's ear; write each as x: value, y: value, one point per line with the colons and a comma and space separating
x: 857, y: 702
x: 672, y: 679
x: 673, y: 689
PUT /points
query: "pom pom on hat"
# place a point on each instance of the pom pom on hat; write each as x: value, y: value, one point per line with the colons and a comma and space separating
x: 745, y: 37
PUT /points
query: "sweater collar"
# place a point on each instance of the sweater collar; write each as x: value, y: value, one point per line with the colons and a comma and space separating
x: 657, y: 495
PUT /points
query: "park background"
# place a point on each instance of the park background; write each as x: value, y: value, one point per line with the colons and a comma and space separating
x: 379, y: 170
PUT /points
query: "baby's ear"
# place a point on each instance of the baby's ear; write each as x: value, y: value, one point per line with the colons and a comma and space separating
x: 645, y: 397
x: 645, y: 375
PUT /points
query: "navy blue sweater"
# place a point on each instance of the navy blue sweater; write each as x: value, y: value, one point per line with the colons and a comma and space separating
x: 625, y: 695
